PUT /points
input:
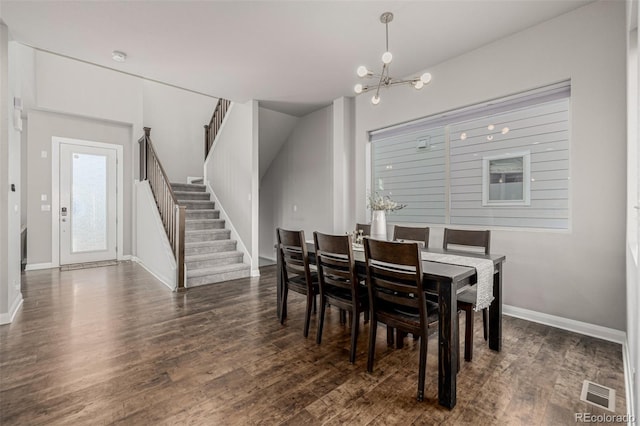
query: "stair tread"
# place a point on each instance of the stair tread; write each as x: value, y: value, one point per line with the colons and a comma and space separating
x: 203, y: 220
x: 217, y: 270
x: 208, y: 243
x: 195, y: 201
x: 208, y: 256
x: 188, y: 185
x: 210, y: 231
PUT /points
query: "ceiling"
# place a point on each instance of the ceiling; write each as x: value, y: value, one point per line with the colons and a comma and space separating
x: 293, y: 56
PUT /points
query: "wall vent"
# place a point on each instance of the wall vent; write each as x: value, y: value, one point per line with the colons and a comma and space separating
x: 598, y: 395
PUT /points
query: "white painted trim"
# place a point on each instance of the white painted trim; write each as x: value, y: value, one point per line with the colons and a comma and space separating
x: 579, y: 327
x: 164, y: 281
x: 39, y: 266
x: 11, y: 315
x: 55, y: 193
x: 126, y: 257
x: 628, y: 383
x: 234, y: 233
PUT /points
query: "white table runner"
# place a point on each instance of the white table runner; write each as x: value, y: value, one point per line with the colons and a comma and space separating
x: 484, y: 271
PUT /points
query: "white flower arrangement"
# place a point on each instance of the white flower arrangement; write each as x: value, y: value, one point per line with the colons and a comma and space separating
x: 376, y: 201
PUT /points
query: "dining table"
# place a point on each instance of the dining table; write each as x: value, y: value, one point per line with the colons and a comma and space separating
x: 447, y: 280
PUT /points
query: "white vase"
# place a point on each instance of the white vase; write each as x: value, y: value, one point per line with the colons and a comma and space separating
x: 379, y: 224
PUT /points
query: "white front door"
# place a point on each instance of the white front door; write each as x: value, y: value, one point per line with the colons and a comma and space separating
x: 87, y: 204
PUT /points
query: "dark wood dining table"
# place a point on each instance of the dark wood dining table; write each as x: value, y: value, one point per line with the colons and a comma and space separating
x: 447, y: 280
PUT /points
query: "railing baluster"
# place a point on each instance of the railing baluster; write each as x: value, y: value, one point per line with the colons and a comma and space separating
x: 211, y: 131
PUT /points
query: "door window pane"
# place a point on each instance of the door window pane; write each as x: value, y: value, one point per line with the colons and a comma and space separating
x: 89, y: 203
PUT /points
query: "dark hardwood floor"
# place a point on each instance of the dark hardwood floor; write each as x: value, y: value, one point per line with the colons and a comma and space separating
x: 113, y: 345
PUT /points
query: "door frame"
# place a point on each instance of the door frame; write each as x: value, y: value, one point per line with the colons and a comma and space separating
x: 55, y: 193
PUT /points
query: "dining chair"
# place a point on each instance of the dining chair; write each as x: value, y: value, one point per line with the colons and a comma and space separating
x: 407, y: 233
x: 478, y: 242
x: 296, y: 273
x: 365, y: 228
x: 339, y: 283
x: 396, y: 296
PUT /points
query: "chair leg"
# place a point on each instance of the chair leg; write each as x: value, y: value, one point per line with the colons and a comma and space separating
x: 355, y: 323
x: 390, y: 336
x: 485, y: 322
x: 422, y: 367
x: 283, y: 310
x: 400, y: 335
x: 323, y: 305
x: 307, y: 317
x: 315, y: 304
x: 468, y: 333
x: 372, y: 343
x: 343, y: 316
x: 366, y: 316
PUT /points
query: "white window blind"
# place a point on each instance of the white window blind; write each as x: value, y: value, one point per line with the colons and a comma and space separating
x: 435, y: 165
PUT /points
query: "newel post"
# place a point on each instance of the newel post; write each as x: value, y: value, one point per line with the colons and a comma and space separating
x: 143, y: 153
x: 206, y: 140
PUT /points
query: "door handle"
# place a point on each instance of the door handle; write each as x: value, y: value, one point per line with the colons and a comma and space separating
x: 63, y: 211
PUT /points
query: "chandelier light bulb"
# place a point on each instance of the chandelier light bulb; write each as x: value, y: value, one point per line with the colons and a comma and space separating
x: 491, y: 127
x: 418, y: 84
x: 505, y: 130
x: 358, y: 88
x: 362, y: 71
x: 463, y: 136
x: 387, y: 57
x: 375, y: 99
x: 425, y: 78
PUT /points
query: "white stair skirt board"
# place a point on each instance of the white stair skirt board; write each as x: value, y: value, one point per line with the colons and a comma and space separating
x: 211, y: 255
x: 39, y: 266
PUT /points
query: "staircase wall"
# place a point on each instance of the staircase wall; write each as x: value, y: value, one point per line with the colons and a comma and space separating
x: 154, y: 250
x: 232, y: 173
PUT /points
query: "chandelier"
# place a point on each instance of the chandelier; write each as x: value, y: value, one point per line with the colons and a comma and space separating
x: 384, y: 79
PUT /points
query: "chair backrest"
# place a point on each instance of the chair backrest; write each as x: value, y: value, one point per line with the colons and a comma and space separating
x: 336, y: 265
x: 466, y: 239
x: 366, y: 229
x: 407, y: 233
x: 293, y: 253
x: 394, y: 280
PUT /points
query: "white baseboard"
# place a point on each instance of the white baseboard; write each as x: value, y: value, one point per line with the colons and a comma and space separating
x: 15, y: 307
x: 255, y: 272
x: 163, y: 280
x: 38, y: 266
x: 125, y: 257
x: 604, y: 333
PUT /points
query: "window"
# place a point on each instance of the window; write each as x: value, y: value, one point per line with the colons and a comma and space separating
x: 505, y: 180
x: 503, y: 163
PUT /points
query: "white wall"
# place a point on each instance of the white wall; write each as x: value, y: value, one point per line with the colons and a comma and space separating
x: 154, y: 249
x: 232, y: 173
x: 274, y: 129
x: 633, y: 199
x: 10, y: 295
x: 177, y: 118
x: 297, y: 190
x: 343, y: 165
x: 579, y: 274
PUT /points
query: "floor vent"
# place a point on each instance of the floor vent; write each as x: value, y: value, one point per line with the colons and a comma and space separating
x: 598, y: 395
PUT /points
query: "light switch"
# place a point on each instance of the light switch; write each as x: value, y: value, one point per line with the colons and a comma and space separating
x: 43, y: 197
x: 43, y: 154
x: 45, y: 207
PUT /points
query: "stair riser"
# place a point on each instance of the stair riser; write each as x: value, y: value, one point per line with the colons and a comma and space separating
x: 214, y: 248
x: 216, y: 278
x: 214, y: 262
x: 192, y: 196
x: 202, y: 214
x: 199, y: 237
x: 198, y: 205
x: 186, y: 187
x: 197, y: 226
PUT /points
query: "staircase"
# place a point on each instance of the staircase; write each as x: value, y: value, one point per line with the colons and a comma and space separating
x: 210, y: 255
